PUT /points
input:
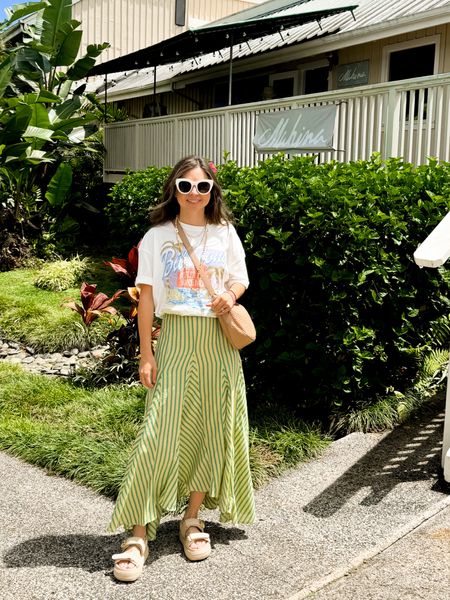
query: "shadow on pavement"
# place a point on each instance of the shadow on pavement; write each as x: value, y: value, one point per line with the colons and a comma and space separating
x: 411, y: 452
x: 93, y: 552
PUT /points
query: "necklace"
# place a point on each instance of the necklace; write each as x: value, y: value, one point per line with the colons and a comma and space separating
x: 181, y: 247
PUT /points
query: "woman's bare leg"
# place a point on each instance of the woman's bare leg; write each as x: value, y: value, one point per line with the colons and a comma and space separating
x: 191, y: 512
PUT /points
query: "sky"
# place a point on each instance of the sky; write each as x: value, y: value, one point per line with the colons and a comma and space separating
x: 6, y: 3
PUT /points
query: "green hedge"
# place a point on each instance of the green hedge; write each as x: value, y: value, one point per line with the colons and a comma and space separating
x: 127, y: 211
x: 341, y: 309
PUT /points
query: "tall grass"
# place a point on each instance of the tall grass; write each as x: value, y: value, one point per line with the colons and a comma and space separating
x: 86, y: 435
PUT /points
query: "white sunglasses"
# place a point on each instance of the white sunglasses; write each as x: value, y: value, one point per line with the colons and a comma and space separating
x: 185, y: 186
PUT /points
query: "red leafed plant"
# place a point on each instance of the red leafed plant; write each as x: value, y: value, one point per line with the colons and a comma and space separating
x: 125, y: 340
x: 132, y: 294
x: 93, y: 304
x: 126, y: 267
x: 120, y: 362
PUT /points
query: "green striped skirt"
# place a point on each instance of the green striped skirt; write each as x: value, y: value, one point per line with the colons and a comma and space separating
x: 194, y: 436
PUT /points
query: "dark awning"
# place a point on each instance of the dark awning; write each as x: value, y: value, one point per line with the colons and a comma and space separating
x: 210, y: 38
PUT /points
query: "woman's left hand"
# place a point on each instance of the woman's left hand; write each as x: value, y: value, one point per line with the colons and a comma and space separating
x: 222, y: 304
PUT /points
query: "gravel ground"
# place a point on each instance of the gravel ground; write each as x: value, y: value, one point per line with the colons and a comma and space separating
x: 414, y: 566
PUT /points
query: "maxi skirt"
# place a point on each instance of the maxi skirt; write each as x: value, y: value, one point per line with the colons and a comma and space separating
x: 194, y: 436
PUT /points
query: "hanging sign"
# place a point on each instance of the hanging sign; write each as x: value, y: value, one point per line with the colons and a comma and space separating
x: 296, y: 130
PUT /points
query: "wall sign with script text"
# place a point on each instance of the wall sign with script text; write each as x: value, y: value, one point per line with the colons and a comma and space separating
x: 296, y: 130
x: 352, y: 74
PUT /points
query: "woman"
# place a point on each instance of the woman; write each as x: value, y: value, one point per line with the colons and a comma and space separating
x: 194, y: 438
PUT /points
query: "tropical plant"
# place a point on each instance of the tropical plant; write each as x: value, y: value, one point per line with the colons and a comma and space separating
x: 126, y: 267
x: 93, y: 303
x: 60, y: 275
x: 89, y: 193
x: 43, y: 114
x: 130, y: 200
x: 120, y: 361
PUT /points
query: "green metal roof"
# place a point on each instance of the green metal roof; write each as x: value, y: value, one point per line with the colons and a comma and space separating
x: 215, y: 37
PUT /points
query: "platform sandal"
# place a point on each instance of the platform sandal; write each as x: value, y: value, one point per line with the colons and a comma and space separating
x: 134, y: 572
x: 190, y: 538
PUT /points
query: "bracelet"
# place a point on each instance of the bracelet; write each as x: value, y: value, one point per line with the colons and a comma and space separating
x: 234, y: 295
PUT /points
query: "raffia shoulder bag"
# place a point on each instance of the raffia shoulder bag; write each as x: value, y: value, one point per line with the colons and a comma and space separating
x: 237, y: 324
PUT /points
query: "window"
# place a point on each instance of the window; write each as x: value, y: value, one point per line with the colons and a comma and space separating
x: 315, y: 80
x: 282, y: 88
x: 412, y: 62
x: 407, y: 60
x: 284, y: 84
x: 314, y: 77
x: 414, y: 58
x: 244, y: 89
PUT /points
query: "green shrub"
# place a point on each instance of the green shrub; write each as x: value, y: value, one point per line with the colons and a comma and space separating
x: 128, y: 208
x: 340, y: 307
x: 61, y: 275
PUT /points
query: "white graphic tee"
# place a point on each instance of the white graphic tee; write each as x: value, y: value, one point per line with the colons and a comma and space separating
x: 165, y: 264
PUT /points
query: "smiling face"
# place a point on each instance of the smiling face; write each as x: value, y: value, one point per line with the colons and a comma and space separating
x: 193, y: 204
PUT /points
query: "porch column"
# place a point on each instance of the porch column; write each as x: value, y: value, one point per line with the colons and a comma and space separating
x: 391, y: 124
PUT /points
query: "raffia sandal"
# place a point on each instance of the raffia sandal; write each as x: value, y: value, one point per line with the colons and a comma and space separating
x: 190, y: 538
x: 134, y: 572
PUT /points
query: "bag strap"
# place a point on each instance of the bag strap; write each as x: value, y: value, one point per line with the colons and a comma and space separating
x: 202, y: 272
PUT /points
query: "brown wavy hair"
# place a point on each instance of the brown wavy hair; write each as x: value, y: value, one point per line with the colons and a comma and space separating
x: 216, y: 212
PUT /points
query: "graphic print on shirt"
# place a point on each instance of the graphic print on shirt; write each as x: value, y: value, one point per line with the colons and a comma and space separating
x: 184, y: 286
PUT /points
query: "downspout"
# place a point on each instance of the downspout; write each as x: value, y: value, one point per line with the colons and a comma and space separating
x: 105, y: 116
x: 154, y: 91
x: 230, y: 73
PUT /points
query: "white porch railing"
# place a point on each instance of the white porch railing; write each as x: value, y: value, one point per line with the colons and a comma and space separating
x: 409, y: 119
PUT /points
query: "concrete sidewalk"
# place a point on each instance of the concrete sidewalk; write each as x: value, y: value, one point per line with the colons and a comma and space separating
x: 369, y: 519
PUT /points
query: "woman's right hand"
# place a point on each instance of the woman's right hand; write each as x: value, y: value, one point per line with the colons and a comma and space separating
x: 147, y: 371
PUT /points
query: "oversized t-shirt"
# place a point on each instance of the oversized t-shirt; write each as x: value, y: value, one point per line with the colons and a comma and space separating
x: 165, y: 264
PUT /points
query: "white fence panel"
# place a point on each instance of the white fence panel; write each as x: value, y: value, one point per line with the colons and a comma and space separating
x: 152, y: 153
x: 202, y: 131
x: 121, y: 146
